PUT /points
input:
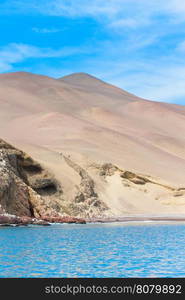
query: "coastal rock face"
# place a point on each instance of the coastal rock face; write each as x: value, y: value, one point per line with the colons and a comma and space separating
x: 14, y: 193
x: 29, y: 190
x: 26, y: 189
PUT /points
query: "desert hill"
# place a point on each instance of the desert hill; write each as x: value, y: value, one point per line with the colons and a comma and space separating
x: 88, y: 134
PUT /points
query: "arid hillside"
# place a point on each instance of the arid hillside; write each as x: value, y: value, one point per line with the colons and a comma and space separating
x: 111, y: 152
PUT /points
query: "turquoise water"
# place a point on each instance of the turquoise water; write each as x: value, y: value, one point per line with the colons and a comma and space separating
x: 95, y: 250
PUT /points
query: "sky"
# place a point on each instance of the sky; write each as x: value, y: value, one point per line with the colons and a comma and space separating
x: 138, y: 45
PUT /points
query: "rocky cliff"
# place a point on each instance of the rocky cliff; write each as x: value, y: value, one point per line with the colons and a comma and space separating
x: 27, y: 190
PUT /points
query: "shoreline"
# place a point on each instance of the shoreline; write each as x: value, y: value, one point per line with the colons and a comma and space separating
x: 14, y: 221
x: 137, y: 219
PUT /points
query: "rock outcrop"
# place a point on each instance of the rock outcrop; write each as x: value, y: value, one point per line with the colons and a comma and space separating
x: 29, y: 194
x: 11, y: 220
x: 86, y: 201
x: 14, y: 192
x: 66, y: 219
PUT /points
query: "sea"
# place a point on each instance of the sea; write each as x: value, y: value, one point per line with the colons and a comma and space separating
x: 133, y: 249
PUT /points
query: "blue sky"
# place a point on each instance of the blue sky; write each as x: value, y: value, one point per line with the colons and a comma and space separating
x: 138, y: 45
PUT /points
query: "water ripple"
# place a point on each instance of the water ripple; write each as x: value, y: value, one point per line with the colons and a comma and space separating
x: 106, y: 250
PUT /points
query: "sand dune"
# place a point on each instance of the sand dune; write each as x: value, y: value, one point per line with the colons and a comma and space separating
x: 96, y: 123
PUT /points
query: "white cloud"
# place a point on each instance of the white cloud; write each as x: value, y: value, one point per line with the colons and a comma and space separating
x: 176, y: 6
x: 159, y: 81
x: 15, y: 53
x: 127, y: 22
x: 120, y: 12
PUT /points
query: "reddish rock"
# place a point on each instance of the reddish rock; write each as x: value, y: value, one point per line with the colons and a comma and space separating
x: 65, y: 219
x: 7, y: 220
x: 26, y: 220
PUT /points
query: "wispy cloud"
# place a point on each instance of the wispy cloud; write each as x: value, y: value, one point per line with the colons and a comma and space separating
x: 127, y: 22
x: 16, y: 53
x: 125, y: 12
x: 159, y: 83
x: 176, y: 7
x: 62, y: 7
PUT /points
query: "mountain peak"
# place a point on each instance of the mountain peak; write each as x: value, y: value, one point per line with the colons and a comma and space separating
x: 91, y: 83
x: 83, y: 79
x: 79, y: 74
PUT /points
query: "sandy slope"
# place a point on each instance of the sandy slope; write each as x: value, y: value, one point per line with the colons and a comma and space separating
x: 97, y: 123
